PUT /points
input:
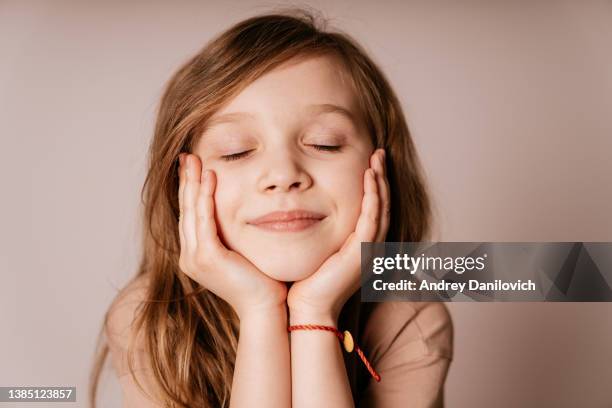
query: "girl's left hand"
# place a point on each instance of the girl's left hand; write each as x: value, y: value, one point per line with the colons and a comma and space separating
x: 321, y: 296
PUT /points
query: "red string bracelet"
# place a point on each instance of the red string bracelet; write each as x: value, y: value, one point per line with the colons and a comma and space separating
x: 347, y: 340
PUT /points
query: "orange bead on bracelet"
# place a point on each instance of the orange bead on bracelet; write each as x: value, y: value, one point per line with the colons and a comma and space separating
x: 345, y: 337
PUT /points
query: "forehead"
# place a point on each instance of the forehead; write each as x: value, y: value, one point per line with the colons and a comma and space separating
x: 295, y: 89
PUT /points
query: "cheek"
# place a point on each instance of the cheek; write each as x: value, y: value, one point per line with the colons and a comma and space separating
x: 348, y: 197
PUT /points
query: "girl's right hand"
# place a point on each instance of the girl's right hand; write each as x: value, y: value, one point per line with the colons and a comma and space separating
x: 203, y: 256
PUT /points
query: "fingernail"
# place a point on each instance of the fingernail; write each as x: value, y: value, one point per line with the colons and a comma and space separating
x: 186, y: 164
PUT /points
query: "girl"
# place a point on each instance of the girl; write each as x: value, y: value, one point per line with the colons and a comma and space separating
x: 292, y: 149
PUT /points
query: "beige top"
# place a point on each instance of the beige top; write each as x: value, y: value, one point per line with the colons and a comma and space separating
x: 410, y: 344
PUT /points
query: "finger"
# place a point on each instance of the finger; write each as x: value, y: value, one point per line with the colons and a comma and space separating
x: 384, y: 167
x: 384, y: 196
x: 367, y: 223
x: 192, y: 186
x: 181, y: 191
x: 206, y: 227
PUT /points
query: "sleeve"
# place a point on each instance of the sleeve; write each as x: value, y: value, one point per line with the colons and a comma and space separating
x: 119, y: 332
x: 411, y: 347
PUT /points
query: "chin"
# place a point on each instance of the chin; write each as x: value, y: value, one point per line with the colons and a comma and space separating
x: 288, y: 264
x: 283, y: 275
x: 286, y: 260
x: 287, y: 269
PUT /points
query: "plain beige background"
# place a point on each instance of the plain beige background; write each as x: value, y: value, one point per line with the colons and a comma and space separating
x: 509, y: 104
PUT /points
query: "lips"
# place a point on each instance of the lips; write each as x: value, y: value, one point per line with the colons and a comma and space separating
x: 288, y: 221
x: 280, y: 217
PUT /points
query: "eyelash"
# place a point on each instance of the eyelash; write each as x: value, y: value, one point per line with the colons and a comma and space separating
x: 234, y: 156
x: 237, y: 156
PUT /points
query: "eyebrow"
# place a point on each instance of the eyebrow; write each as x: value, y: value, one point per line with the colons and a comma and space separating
x: 320, y: 108
x: 228, y: 117
x: 313, y: 109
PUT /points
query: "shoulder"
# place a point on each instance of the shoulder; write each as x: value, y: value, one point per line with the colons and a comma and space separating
x: 128, y: 354
x: 412, y: 329
x: 119, y: 326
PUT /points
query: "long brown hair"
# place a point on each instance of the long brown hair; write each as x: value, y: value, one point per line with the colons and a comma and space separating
x: 191, y: 334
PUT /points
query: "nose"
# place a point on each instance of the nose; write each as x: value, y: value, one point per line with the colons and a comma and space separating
x: 284, y: 172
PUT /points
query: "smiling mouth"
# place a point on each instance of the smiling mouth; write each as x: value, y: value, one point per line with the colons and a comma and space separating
x: 295, y: 225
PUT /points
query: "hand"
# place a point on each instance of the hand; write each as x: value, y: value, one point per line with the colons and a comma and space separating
x: 322, y: 295
x: 203, y: 256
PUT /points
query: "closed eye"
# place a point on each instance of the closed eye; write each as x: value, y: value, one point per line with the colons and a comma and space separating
x: 235, y: 156
x: 327, y: 148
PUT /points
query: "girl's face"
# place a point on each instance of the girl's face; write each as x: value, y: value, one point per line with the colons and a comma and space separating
x: 264, y: 147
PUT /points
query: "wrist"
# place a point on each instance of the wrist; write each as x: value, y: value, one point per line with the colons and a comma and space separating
x: 265, y: 313
x: 304, y: 316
